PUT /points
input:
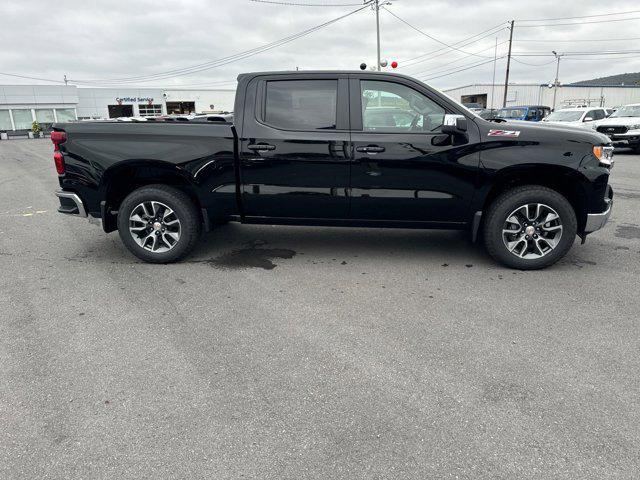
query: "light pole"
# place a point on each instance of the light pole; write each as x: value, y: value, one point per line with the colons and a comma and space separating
x: 377, y: 7
x: 555, y: 84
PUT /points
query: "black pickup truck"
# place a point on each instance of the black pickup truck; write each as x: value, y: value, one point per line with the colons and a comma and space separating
x: 338, y: 148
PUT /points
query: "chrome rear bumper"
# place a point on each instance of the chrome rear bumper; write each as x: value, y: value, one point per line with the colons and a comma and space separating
x: 71, y: 204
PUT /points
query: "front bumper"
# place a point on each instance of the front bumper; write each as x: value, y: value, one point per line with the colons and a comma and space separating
x: 595, y: 221
x: 624, y: 140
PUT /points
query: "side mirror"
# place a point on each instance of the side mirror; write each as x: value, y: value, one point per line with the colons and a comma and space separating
x: 454, y: 124
x: 588, y: 119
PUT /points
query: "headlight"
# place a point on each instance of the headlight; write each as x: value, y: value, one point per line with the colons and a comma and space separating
x: 634, y: 127
x: 604, y: 155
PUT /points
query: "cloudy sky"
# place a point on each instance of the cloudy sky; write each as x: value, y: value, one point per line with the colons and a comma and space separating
x: 447, y: 43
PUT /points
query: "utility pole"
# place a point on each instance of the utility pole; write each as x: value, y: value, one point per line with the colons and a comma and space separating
x: 493, y: 82
x: 377, y: 7
x: 555, y: 84
x: 506, y: 80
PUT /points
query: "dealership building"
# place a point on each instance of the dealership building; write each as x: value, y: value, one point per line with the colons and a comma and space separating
x: 21, y: 105
x: 491, y: 96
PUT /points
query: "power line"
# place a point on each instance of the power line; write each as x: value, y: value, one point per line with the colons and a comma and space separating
x: 531, y: 40
x: 603, y: 52
x: 31, y: 78
x: 431, y: 36
x: 463, y: 69
x: 579, y: 23
x: 533, y: 64
x: 219, y: 62
x: 460, y: 59
x: 443, y: 51
x: 583, y: 16
x: 299, y: 4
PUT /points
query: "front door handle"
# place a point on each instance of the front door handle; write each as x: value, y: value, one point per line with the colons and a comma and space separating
x: 370, y: 149
x: 261, y: 147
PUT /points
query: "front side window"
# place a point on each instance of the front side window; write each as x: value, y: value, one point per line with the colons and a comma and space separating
x: 301, y: 104
x: 389, y: 107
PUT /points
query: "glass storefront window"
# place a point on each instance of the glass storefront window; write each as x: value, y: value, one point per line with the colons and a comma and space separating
x: 66, y: 114
x: 5, y: 120
x: 22, y: 119
x: 44, y: 115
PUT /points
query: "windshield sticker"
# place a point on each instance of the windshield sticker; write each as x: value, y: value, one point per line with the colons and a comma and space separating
x: 504, y: 133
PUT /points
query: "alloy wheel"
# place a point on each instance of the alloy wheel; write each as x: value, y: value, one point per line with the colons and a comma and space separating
x: 154, y: 226
x: 532, y: 231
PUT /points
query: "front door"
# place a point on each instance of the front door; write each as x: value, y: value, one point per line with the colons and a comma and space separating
x: 404, y: 167
x: 294, y: 148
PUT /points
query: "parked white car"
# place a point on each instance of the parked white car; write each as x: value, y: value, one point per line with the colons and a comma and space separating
x: 622, y: 127
x: 576, y: 116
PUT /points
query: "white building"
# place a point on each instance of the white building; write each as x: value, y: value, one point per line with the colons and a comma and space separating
x: 21, y: 105
x: 491, y: 96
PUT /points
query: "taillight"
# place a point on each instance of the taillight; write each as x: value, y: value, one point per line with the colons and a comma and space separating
x: 58, y: 138
x: 59, y: 161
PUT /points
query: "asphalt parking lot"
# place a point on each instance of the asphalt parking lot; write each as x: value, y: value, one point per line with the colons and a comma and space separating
x: 288, y: 352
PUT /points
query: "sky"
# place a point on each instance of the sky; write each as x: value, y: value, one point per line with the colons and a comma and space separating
x: 158, y: 42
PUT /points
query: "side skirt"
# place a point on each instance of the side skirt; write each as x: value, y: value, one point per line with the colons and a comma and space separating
x: 339, y: 222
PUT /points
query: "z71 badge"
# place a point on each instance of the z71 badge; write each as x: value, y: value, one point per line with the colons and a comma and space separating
x: 503, y: 133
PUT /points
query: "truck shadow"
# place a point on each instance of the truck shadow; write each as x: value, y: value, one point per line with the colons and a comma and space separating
x: 236, y: 246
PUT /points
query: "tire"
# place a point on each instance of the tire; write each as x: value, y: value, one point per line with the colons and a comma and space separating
x: 174, y: 228
x: 507, y: 222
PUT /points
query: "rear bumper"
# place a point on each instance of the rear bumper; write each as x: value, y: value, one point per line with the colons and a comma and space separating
x: 71, y: 204
x: 595, y: 221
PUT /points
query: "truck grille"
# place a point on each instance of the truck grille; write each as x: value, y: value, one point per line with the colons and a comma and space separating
x: 611, y: 130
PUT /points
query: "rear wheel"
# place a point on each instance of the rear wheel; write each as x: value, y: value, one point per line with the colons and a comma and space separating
x: 530, y: 227
x: 158, y: 224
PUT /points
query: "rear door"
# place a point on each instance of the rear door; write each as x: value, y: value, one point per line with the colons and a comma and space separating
x: 405, y: 168
x: 294, y: 147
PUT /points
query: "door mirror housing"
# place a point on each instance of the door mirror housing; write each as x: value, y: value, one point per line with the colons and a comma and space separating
x: 588, y: 119
x: 454, y: 124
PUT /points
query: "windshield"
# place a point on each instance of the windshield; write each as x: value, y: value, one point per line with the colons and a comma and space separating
x: 627, y: 111
x: 510, y: 113
x: 565, y: 116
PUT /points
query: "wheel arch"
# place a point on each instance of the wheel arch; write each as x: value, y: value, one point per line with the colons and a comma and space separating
x: 564, y: 180
x: 122, y: 179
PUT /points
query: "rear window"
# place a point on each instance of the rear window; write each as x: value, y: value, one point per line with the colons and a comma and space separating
x: 301, y: 104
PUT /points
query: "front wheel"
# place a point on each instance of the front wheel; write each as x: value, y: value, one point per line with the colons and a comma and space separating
x: 158, y: 224
x: 530, y: 227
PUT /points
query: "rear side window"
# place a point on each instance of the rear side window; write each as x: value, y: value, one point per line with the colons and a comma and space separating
x: 301, y: 104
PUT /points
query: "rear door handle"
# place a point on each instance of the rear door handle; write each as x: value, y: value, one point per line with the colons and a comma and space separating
x: 370, y: 149
x: 261, y: 147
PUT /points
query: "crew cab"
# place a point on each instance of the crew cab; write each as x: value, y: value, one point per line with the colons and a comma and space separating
x: 622, y: 127
x: 339, y: 148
